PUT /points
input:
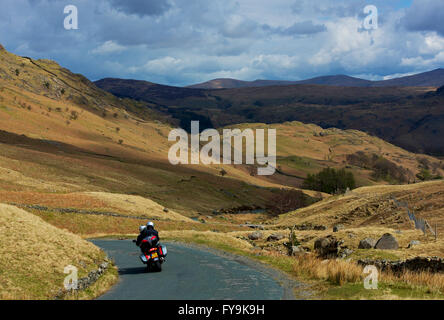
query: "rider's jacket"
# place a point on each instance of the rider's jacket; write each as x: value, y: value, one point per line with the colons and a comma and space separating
x: 145, y: 234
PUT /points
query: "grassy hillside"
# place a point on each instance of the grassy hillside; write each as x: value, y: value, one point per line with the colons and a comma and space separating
x: 33, y: 256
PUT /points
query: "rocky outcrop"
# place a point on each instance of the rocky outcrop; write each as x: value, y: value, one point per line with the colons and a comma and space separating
x: 387, y: 242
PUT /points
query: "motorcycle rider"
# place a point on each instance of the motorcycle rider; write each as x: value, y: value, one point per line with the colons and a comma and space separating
x: 148, y: 231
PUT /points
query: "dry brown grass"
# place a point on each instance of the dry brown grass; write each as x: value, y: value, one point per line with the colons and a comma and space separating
x: 137, y: 205
x: 33, y: 255
x: 337, y: 272
x: 434, y: 282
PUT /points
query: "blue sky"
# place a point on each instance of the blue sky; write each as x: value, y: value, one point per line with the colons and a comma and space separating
x: 181, y: 42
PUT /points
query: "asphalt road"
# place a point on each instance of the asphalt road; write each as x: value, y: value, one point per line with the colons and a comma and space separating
x: 188, y: 274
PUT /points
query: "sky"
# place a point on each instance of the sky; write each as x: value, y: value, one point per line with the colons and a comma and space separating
x: 182, y: 42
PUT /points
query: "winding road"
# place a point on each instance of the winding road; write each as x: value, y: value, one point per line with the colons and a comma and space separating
x: 189, y: 273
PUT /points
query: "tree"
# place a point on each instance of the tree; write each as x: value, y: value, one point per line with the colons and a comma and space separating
x: 330, y: 181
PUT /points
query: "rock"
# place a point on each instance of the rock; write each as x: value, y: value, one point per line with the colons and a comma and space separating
x: 255, y: 236
x: 166, y: 210
x: 296, y: 250
x: 387, y: 242
x: 414, y: 243
x: 345, y: 252
x: 327, y: 247
x: 275, y: 237
x: 367, y: 243
x: 338, y: 228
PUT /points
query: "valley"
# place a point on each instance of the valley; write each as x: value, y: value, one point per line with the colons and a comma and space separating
x: 77, y: 162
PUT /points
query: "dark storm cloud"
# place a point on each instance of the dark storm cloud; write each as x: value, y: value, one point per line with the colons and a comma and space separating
x: 142, y: 7
x: 425, y: 15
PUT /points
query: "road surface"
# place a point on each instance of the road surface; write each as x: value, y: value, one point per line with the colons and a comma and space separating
x: 189, y: 273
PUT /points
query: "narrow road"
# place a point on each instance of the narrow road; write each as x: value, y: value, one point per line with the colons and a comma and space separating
x: 188, y: 274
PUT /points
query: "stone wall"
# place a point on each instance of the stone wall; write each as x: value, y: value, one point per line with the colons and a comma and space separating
x: 86, y: 282
x: 429, y: 264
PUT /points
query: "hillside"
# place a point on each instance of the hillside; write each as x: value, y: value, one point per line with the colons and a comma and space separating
x: 410, y: 117
x: 34, y: 254
x: 434, y: 78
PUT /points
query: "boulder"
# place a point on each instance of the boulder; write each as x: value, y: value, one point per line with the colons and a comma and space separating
x: 367, y: 243
x: 414, y: 243
x: 327, y: 247
x: 338, y: 228
x: 275, y: 237
x: 387, y: 242
x: 255, y: 236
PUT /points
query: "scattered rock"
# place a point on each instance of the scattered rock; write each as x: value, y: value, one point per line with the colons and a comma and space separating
x: 338, y: 228
x: 255, y: 236
x: 414, y: 243
x: 367, y: 243
x: 275, y: 237
x: 387, y: 242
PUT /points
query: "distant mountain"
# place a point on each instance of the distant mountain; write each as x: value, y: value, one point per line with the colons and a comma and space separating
x: 411, y: 117
x: 433, y: 78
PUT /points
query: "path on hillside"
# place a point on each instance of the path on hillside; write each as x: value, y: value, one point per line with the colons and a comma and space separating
x: 191, y: 274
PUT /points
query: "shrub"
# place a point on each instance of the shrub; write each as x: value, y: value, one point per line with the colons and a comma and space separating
x: 382, y: 168
x: 330, y: 181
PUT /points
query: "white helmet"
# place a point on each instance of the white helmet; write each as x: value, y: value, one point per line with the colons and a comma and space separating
x: 150, y: 224
x: 141, y: 228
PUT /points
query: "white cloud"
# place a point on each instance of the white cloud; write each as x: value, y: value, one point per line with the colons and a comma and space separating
x: 108, y: 47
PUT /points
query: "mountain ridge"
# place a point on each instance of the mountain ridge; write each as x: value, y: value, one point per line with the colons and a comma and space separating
x: 433, y: 78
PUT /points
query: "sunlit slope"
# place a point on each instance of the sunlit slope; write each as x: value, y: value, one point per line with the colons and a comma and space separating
x: 374, y: 206
x: 307, y: 148
x: 33, y: 255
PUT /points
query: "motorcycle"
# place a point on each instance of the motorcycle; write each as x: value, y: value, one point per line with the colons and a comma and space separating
x: 153, y: 253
